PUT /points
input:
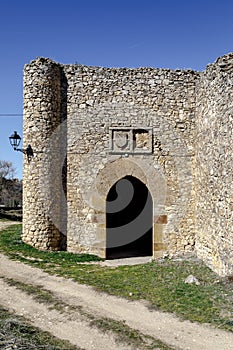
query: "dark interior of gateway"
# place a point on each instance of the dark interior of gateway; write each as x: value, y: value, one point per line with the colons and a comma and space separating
x: 129, y: 214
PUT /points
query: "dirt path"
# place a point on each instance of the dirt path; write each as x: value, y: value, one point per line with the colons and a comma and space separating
x: 73, y: 327
x: 181, y: 335
x: 77, y: 331
x: 5, y: 224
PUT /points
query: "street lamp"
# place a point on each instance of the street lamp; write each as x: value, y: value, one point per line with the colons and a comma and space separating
x: 15, y: 141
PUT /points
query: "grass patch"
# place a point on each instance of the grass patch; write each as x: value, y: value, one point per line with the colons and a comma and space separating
x: 12, y: 244
x: 17, y: 333
x: 161, y: 283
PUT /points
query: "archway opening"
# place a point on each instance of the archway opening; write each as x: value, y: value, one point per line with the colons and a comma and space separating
x: 129, y: 219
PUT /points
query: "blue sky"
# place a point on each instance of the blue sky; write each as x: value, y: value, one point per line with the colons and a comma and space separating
x: 123, y: 33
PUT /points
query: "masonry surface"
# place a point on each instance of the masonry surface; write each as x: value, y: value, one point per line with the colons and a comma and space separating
x: 91, y: 127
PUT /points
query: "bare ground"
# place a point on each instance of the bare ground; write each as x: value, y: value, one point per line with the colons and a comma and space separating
x: 71, y: 326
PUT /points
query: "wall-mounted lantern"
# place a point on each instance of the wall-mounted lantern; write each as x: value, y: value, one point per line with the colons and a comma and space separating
x: 15, y: 141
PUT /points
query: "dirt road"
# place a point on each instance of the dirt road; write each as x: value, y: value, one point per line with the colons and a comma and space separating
x: 180, y: 335
x: 75, y: 328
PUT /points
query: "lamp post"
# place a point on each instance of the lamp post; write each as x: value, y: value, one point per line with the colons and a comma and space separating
x: 15, y: 141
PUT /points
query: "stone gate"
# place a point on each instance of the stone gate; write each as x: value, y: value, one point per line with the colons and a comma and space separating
x: 102, y: 135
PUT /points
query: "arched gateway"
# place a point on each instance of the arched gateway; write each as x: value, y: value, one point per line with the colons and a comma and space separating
x: 145, y: 128
x: 129, y: 219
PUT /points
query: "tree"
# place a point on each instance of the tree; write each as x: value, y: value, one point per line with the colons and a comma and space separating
x: 7, y: 170
x: 10, y: 187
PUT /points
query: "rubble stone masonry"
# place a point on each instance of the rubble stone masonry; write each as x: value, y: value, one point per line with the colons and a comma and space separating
x: 91, y: 126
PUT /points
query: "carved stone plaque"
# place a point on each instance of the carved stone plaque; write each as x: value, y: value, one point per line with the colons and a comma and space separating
x: 121, y: 139
x: 130, y: 140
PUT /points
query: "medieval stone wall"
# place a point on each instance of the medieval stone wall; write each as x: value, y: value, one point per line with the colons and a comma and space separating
x: 214, y: 166
x: 91, y: 126
x: 101, y: 99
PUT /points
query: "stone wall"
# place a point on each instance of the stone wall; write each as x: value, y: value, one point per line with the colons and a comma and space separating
x: 102, y: 98
x: 214, y: 166
x: 91, y: 126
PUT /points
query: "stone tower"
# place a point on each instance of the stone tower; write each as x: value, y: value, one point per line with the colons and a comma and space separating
x: 44, y: 112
